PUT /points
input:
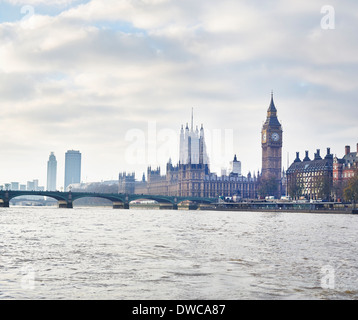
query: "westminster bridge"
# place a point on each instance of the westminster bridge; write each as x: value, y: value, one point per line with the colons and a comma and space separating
x: 119, y: 200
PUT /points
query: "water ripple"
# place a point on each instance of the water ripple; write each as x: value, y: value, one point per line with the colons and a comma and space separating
x: 96, y: 253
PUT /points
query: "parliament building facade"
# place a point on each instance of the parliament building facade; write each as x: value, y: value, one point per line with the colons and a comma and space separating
x: 192, y: 176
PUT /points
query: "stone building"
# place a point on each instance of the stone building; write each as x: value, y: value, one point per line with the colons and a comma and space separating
x: 192, y: 176
x: 126, y: 183
x: 196, y: 180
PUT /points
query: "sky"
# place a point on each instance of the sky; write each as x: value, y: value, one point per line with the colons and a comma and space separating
x: 116, y: 79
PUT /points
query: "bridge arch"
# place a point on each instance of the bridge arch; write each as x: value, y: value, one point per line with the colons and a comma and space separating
x: 118, y: 200
x: 174, y: 201
x: 8, y: 195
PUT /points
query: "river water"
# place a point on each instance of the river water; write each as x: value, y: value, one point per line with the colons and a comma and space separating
x: 101, y: 253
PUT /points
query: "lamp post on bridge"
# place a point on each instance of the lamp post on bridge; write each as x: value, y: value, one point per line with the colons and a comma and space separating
x: 6, y: 200
x: 69, y: 201
x: 175, y: 204
x: 126, y: 202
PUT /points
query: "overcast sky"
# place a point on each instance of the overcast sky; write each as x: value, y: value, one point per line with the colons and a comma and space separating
x: 116, y: 79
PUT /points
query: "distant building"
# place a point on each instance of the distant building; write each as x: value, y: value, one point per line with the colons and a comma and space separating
x: 14, y: 186
x: 126, y: 183
x: 343, y: 170
x: 191, y: 176
x: 110, y: 186
x: 223, y: 172
x: 192, y: 147
x: 36, y: 184
x: 51, y: 173
x: 311, y: 179
x: 235, y: 166
x: 72, y: 167
x: 30, y: 186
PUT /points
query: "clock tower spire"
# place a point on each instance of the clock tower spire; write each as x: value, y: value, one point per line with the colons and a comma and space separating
x: 272, y: 147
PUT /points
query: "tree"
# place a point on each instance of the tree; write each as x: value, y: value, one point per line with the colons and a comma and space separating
x: 324, y: 185
x: 294, y: 185
x: 337, y: 190
x: 350, y: 193
x: 268, y: 187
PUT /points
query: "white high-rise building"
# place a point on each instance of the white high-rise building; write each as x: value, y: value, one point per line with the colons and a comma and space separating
x: 51, y: 172
x: 192, y: 145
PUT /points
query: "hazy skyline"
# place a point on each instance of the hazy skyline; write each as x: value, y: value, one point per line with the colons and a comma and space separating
x: 88, y: 75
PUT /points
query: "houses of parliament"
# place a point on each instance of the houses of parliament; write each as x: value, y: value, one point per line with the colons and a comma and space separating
x: 192, y: 176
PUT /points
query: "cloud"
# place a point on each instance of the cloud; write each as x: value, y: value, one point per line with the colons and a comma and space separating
x: 84, y: 77
x: 41, y: 2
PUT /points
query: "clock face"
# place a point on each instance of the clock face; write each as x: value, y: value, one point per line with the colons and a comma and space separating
x: 264, y: 137
x: 275, y: 136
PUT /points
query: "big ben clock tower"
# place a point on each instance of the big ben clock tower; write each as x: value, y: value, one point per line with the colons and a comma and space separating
x: 271, y: 141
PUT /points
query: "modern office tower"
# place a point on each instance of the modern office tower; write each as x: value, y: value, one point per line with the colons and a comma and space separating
x: 72, y: 167
x: 51, y: 172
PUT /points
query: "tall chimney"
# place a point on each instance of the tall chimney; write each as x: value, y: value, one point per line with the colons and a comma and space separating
x: 329, y: 155
x: 348, y: 150
x: 306, y: 157
x: 357, y: 147
x: 317, y: 156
